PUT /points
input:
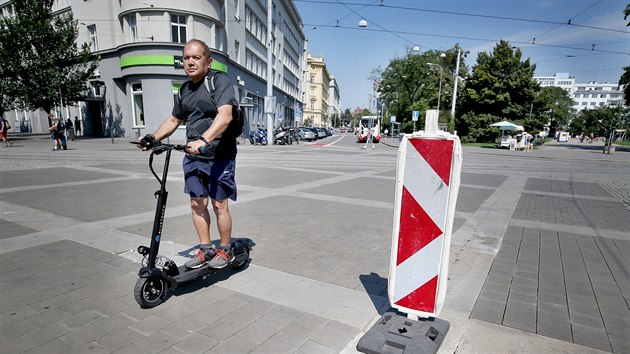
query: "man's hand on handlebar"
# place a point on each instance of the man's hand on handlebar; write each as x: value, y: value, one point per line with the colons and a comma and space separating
x: 146, y: 142
x: 193, y: 146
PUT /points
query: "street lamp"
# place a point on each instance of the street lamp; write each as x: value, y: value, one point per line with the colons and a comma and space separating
x: 452, y: 124
x: 440, y: 89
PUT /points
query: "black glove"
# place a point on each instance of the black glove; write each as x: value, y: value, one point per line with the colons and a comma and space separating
x: 148, y: 141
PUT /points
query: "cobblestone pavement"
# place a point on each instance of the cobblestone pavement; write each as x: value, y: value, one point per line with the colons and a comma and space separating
x: 539, y: 254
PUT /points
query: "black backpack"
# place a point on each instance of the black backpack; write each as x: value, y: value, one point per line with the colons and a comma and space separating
x: 238, y: 113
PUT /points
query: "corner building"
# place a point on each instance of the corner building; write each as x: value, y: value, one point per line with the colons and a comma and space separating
x: 140, y: 44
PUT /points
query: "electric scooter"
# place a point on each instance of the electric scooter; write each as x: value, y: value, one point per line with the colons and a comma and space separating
x: 160, y: 274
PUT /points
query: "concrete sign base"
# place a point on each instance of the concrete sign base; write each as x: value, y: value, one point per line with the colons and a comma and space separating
x: 395, y: 333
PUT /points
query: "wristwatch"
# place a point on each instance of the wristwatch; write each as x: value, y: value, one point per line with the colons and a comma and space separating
x: 204, y: 140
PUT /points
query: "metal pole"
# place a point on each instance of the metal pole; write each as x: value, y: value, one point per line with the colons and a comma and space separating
x: 270, y: 110
x: 440, y: 90
x: 459, y: 51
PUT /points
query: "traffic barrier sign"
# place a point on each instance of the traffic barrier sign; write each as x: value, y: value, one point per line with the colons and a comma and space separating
x: 427, y: 183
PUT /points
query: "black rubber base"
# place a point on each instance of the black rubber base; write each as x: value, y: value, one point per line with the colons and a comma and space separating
x: 395, y: 333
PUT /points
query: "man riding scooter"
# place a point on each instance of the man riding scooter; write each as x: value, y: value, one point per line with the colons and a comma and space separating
x: 209, y: 164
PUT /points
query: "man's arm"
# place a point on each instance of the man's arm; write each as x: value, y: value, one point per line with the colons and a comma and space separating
x: 219, y: 125
x: 167, y: 128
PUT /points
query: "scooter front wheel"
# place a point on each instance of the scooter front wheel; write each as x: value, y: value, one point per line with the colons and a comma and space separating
x: 150, y: 292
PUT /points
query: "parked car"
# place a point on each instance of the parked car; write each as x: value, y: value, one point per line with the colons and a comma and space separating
x: 321, y: 133
x: 306, y: 134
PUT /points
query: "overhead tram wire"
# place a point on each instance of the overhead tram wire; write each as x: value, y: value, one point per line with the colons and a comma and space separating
x: 341, y: 18
x: 473, y: 15
x: 374, y: 23
x: 569, y: 21
x: 592, y: 49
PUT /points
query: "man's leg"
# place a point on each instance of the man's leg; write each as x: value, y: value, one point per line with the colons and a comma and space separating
x: 201, y: 218
x: 224, y: 220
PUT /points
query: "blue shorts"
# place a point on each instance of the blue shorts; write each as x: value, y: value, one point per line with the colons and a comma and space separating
x: 214, y: 179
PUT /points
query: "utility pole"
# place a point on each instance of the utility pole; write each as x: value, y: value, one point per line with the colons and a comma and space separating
x: 270, y: 104
x: 452, y: 125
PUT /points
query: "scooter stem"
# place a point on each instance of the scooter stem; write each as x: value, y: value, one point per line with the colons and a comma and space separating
x: 158, y: 220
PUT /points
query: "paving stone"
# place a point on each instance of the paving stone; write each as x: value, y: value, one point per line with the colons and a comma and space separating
x: 550, y: 330
x: 294, y: 335
x: 590, y: 337
x: 560, y: 319
x: 53, y: 346
x: 157, y: 341
x: 83, y: 336
x: 257, y: 332
x: 184, y: 328
x: 335, y: 335
x: 488, y: 315
x: 519, y: 325
x: 311, y: 347
x: 277, y: 320
x: 120, y: 338
x: 273, y: 346
x: 235, y: 344
x: 311, y: 322
x: 82, y: 319
x: 95, y: 348
x: 132, y: 349
x: 149, y: 325
x: 115, y: 322
x: 29, y: 341
x: 195, y: 343
x: 231, y: 324
x: 521, y: 306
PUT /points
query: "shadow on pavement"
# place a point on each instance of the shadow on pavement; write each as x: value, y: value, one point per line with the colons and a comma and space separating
x: 376, y: 287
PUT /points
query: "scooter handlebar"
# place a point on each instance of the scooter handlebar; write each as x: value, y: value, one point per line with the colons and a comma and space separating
x: 158, y: 147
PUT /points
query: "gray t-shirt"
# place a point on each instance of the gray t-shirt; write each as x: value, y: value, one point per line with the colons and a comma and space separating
x: 198, y: 108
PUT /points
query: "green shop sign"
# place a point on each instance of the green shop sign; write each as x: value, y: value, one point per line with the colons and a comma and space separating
x: 163, y: 60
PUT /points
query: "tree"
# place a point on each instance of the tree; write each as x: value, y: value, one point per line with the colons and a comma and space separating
x: 409, y: 84
x: 346, y: 117
x: 600, y: 120
x: 40, y: 59
x: 553, y: 106
x: 501, y: 85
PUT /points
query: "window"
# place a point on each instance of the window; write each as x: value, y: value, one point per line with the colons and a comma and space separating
x: 312, y: 79
x: 138, y: 107
x: 178, y: 28
x: 237, y: 50
x: 133, y: 29
x: 93, y: 38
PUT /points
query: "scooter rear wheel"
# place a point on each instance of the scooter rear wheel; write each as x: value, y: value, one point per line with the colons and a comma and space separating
x: 150, y: 292
x: 244, y: 256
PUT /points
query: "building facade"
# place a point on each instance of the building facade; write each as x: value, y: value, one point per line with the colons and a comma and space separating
x: 140, y: 45
x: 589, y: 95
x: 334, y: 106
x: 317, y: 95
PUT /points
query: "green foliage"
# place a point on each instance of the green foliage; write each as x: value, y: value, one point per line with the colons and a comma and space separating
x: 478, y: 128
x: 600, y: 120
x: 625, y: 80
x: 501, y: 85
x: 40, y: 58
x: 410, y: 84
x: 553, y: 105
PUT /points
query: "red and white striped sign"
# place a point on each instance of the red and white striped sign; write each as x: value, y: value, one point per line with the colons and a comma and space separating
x: 426, y: 190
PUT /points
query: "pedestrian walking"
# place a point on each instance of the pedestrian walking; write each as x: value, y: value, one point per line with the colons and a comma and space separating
x: 369, y: 139
x: 4, y: 134
x: 77, y: 125
x: 69, y: 129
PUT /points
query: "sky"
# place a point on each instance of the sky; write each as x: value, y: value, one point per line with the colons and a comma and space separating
x: 595, y: 46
